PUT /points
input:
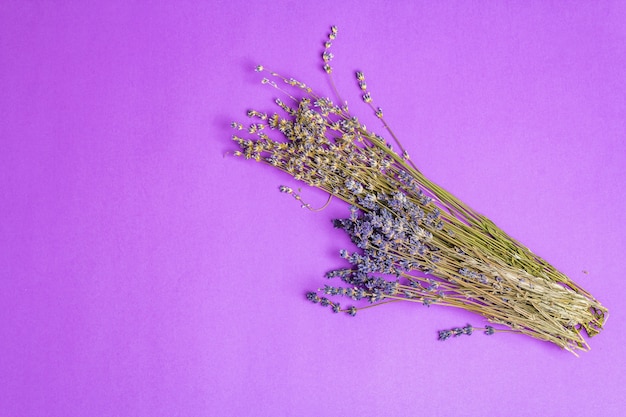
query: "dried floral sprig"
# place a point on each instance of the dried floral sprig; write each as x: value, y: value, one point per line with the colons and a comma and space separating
x: 416, y: 242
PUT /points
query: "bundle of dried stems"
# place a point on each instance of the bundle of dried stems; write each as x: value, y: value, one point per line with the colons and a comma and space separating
x: 416, y: 242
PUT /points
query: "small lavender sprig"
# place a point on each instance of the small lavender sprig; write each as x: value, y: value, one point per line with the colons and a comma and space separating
x: 415, y: 241
x: 458, y: 331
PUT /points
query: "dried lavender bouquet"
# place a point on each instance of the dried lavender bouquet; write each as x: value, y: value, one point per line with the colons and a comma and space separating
x: 416, y: 242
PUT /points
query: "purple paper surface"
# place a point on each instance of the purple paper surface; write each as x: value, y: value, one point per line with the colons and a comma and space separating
x: 146, y: 272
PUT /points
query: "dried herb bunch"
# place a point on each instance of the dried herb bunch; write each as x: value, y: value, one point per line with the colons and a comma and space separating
x: 415, y: 241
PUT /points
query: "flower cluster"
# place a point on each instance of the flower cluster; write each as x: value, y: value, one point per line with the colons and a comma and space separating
x: 457, y: 331
x: 414, y: 241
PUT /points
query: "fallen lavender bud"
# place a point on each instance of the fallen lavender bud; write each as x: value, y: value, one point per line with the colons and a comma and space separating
x: 455, y: 332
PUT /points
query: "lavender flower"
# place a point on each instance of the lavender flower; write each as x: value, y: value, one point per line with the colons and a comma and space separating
x: 414, y: 241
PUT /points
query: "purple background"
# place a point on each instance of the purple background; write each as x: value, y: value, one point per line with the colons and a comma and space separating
x: 144, y: 273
